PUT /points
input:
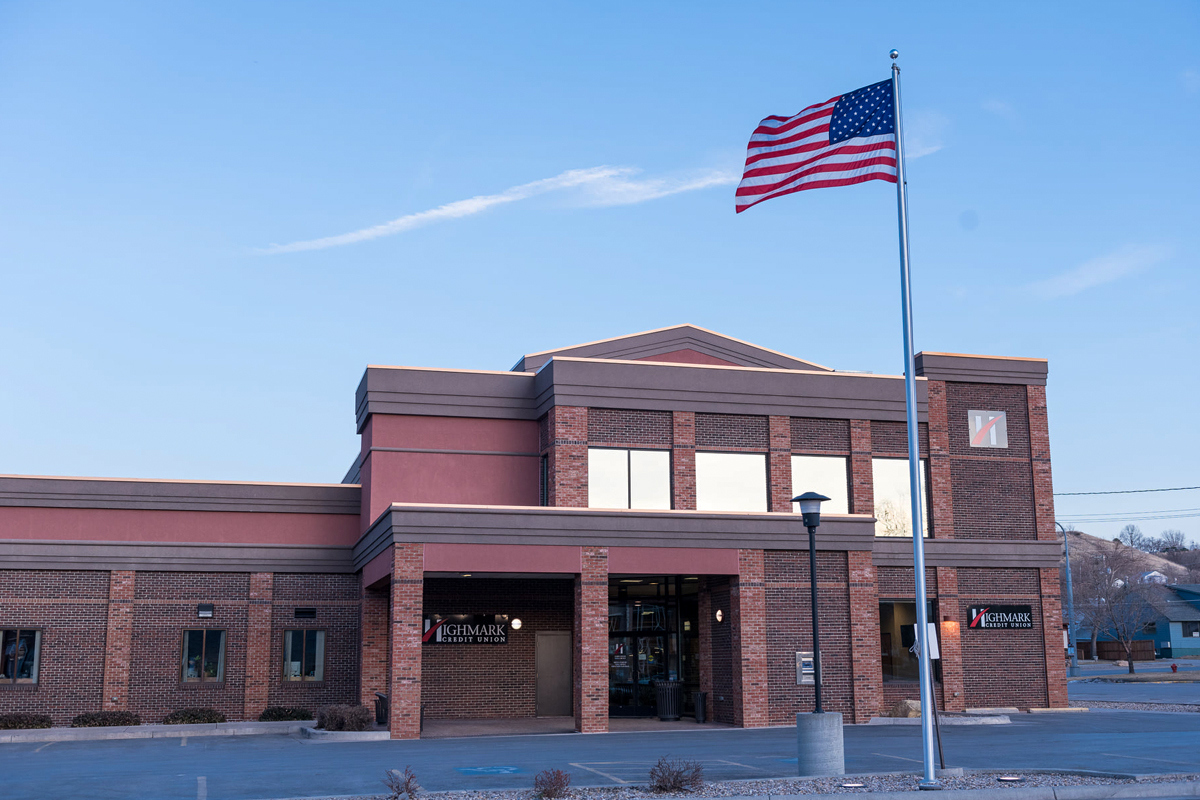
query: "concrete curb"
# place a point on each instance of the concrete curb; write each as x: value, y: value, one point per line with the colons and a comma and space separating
x: 999, y: 719
x: 149, y: 732
x: 1071, y: 709
x: 316, y: 735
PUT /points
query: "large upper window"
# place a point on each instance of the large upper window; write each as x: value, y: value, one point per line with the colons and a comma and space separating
x: 203, y: 656
x: 893, y: 501
x: 825, y: 475
x: 20, y: 651
x: 731, y: 482
x: 304, y: 655
x: 620, y: 478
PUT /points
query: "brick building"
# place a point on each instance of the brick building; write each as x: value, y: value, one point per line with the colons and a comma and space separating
x: 554, y: 539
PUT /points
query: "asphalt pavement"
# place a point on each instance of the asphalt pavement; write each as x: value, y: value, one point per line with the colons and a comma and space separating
x: 1135, y: 692
x: 255, y: 767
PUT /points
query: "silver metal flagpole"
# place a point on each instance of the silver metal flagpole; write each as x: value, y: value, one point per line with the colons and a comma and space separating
x: 914, y: 449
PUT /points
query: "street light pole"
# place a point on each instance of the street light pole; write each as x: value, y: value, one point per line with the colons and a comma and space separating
x: 1074, y: 647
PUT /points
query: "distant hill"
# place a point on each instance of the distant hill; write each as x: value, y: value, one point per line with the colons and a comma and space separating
x: 1085, y: 544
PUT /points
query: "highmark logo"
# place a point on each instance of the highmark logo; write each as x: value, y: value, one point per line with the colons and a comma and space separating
x: 993, y: 617
x: 466, y: 629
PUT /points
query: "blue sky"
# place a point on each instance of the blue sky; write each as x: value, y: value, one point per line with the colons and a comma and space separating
x: 158, y: 160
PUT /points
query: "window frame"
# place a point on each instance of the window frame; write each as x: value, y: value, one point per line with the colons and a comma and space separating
x: 847, y: 487
x: 766, y: 484
x: 283, y: 660
x: 15, y: 682
x: 218, y: 682
x: 926, y: 497
x: 629, y: 451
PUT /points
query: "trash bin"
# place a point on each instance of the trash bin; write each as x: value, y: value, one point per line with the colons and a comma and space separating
x: 668, y: 695
x: 381, y: 708
x: 700, y: 701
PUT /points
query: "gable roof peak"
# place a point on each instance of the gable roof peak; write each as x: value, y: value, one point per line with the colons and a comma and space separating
x: 682, y: 344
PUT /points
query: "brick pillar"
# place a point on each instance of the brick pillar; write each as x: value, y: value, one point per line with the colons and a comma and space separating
x: 704, y: 635
x: 683, y: 459
x: 865, y: 660
x: 779, y: 464
x: 862, y: 493
x: 1039, y: 450
x: 373, y: 659
x: 118, y: 644
x: 941, y: 511
x: 567, y: 460
x: 748, y: 616
x: 950, y: 636
x: 591, y: 641
x: 1052, y: 629
x: 408, y: 584
x: 258, y: 645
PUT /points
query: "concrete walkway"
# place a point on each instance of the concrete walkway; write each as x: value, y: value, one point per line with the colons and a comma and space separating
x: 150, y: 731
x: 256, y: 767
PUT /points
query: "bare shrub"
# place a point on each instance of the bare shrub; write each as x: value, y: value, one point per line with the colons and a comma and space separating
x: 345, y: 718
x: 402, y: 785
x: 676, y: 775
x: 550, y: 784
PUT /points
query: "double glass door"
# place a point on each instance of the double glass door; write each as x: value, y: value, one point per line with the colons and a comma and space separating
x: 652, y: 637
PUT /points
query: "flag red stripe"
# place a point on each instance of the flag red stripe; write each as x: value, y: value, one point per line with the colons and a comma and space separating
x: 887, y: 161
x: 807, y: 133
x: 847, y: 149
x: 804, y: 116
x: 822, y: 185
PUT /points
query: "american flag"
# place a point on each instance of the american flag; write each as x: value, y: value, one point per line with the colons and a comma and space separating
x: 847, y: 139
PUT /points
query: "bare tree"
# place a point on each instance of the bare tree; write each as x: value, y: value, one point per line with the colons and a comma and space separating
x: 1132, y: 536
x: 1172, y: 541
x: 1123, y: 609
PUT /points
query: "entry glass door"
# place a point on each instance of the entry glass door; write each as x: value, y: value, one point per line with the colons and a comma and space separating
x: 647, y: 641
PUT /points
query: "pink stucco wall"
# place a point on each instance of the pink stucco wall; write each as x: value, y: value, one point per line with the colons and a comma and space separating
x: 490, y: 474
x: 120, y: 525
x: 688, y: 356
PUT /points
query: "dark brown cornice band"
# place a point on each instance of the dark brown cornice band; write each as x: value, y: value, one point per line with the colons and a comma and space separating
x: 52, y: 492
x: 982, y: 369
x: 994, y: 553
x: 174, y: 557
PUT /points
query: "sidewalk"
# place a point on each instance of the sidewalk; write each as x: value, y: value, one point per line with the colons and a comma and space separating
x: 151, y: 731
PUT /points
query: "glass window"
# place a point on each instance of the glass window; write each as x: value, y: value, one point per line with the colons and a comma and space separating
x: 893, y: 502
x: 203, y: 656
x: 619, y: 478
x: 20, y: 652
x: 825, y: 475
x: 304, y: 655
x: 731, y: 481
x: 897, y: 635
x: 1191, y: 628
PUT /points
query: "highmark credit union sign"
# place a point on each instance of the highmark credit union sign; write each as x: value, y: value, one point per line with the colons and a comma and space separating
x: 993, y: 617
x: 465, y: 629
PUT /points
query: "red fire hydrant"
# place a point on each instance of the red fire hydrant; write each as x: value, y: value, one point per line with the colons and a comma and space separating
x: 1174, y: 668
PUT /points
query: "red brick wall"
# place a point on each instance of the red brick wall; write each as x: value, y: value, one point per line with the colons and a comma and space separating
x: 70, y: 608
x: 408, y: 577
x: 1039, y: 444
x: 779, y: 465
x: 567, y: 430
x: 950, y: 639
x: 864, y: 635
x: 810, y: 435
x: 683, y: 459
x: 941, y: 503
x: 992, y: 488
x: 721, y: 701
x: 731, y: 432
x: 1052, y: 625
x: 118, y: 640
x: 591, y: 642
x: 788, y: 606
x: 164, y: 607
x: 1003, y: 667
x: 862, y: 491
x: 375, y: 653
x: 891, y: 438
x: 258, y: 644
x: 336, y: 599
x: 473, y: 681
x: 629, y: 428
x: 748, y: 623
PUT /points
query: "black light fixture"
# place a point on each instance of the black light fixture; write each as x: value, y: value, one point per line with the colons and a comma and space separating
x: 810, y: 511
x: 204, y: 611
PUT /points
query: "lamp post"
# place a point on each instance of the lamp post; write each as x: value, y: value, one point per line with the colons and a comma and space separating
x: 1070, y: 606
x: 820, y: 749
x: 810, y: 510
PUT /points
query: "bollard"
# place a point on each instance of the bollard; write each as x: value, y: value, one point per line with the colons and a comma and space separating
x: 819, y: 746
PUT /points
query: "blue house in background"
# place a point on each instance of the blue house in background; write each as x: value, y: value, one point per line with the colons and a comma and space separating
x: 1180, y: 622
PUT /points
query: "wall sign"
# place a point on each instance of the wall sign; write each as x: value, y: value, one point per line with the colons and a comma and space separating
x: 465, y: 629
x: 988, y: 428
x: 993, y: 617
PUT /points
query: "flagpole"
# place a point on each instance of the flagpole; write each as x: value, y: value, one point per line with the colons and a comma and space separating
x: 914, y: 450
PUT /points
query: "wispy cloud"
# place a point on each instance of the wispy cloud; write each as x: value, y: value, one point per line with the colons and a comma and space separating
x: 923, y: 133
x: 1002, y: 109
x: 1191, y: 80
x: 597, y: 186
x: 1105, y: 269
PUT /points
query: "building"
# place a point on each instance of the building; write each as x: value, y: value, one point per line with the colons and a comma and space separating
x: 1171, y: 630
x: 553, y: 539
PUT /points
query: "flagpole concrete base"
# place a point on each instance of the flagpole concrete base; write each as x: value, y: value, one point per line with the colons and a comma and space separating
x: 819, y: 745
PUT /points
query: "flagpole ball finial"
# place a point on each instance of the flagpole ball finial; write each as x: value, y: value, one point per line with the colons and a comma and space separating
x: 894, y: 54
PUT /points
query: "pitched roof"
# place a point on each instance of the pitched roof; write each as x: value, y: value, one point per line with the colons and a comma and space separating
x: 1168, y: 603
x: 680, y: 344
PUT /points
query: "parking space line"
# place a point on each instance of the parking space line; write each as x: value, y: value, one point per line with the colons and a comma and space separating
x: 183, y: 742
x: 1159, y: 760
x: 201, y: 788
x: 43, y: 747
x: 902, y: 758
x: 602, y: 774
x: 736, y: 764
